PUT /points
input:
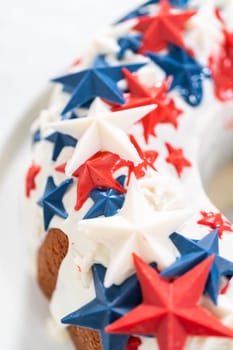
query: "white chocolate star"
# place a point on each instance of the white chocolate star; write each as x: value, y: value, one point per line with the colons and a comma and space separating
x: 137, y: 228
x: 109, y: 38
x: 227, y: 6
x: 204, y: 32
x: 102, y: 130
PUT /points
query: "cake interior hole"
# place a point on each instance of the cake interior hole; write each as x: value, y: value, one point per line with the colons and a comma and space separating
x: 220, y: 190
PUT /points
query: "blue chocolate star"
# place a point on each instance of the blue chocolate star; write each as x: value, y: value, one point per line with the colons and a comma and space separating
x: 36, y: 136
x: 75, y: 114
x: 142, y: 11
x: 187, y: 73
x: 109, y: 305
x: 99, y: 62
x: 51, y: 202
x: 100, y: 80
x: 179, y: 3
x: 106, y: 202
x: 176, y: 3
x: 60, y: 141
x: 128, y: 42
x: 192, y: 253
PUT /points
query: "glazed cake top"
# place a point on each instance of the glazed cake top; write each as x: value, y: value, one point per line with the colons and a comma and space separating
x: 116, y: 166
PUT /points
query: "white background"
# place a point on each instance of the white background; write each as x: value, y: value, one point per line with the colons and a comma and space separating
x: 38, y: 39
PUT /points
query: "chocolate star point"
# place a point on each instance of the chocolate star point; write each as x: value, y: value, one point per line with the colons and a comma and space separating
x: 169, y: 24
x: 169, y: 310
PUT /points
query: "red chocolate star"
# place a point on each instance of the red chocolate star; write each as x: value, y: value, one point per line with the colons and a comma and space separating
x: 214, y: 221
x: 163, y: 28
x: 133, y: 343
x: 148, y: 159
x: 32, y: 172
x: 170, y: 310
x: 141, y: 95
x: 176, y: 158
x: 221, y: 66
x: 97, y: 171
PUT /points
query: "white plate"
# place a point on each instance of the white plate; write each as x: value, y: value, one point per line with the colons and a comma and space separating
x: 24, y: 311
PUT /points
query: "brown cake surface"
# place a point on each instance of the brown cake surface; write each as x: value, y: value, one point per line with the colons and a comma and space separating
x: 50, y: 256
x: 51, y: 253
x: 85, y: 339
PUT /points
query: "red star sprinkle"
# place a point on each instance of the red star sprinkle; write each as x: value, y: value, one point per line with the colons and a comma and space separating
x: 214, y: 221
x: 32, y: 172
x: 170, y: 310
x: 176, y: 158
x: 76, y: 62
x: 225, y: 287
x: 218, y: 14
x: 133, y: 343
x: 229, y: 124
x: 97, y: 171
x: 169, y: 23
x: 221, y: 66
x: 140, y: 95
x: 61, y: 168
x: 148, y: 159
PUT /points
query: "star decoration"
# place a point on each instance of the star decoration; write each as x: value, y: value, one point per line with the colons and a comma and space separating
x: 106, y: 202
x: 32, y: 173
x: 100, y: 80
x: 76, y: 62
x: 143, y: 10
x: 221, y: 66
x: 129, y: 42
x: 71, y: 115
x: 168, y: 23
x: 169, y: 310
x: 148, y: 159
x: 225, y: 14
x: 192, y: 252
x: 133, y: 343
x: 136, y: 228
x: 177, y: 159
x: 101, y: 130
x: 176, y: 3
x: 60, y: 141
x: 51, y: 202
x: 36, y: 137
x: 61, y: 168
x: 179, y: 3
x: 225, y: 288
x: 96, y: 172
x: 187, y: 73
x: 165, y: 110
x: 108, y: 306
x: 204, y: 31
x: 215, y: 221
